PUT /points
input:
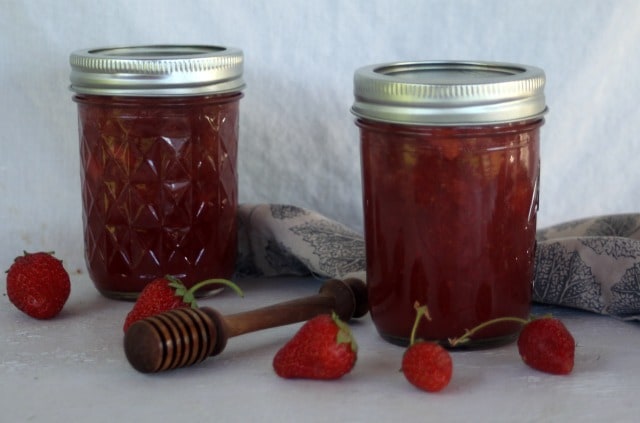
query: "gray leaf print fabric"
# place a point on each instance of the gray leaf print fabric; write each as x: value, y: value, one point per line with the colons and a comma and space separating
x: 590, y: 264
x: 568, y: 280
x: 287, y: 240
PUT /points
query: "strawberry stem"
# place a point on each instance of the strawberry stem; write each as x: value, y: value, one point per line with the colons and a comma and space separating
x: 344, y: 335
x: 420, y: 312
x: 188, y: 295
x: 225, y: 282
x: 469, y: 333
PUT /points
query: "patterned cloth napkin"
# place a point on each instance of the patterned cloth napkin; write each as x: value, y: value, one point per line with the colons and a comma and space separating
x: 590, y: 264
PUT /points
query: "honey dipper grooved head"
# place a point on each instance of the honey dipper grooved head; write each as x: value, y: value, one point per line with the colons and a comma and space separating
x: 169, y: 340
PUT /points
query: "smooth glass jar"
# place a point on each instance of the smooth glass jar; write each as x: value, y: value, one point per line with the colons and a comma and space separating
x: 450, y: 170
x: 158, y: 130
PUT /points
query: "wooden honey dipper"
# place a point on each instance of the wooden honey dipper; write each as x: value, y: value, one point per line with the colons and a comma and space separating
x: 186, y: 336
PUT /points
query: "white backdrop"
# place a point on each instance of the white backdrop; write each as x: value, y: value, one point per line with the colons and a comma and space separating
x: 298, y: 143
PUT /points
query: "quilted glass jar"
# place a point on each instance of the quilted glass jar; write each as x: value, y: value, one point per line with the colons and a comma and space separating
x: 158, y: 131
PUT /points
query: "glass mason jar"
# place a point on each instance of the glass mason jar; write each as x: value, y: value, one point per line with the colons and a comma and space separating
x: 158, y: 129
x: 450, y: 172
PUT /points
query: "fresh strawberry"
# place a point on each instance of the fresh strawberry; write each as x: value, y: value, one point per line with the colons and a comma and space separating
x: 426, y: 365
x: 38, y: 285
x: 168, y: 293
x: 323, y: 348
x: 546, y: 345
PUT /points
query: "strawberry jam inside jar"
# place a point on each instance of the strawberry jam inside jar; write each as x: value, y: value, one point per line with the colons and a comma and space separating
x: 450, y: 172
x: 158, y: 130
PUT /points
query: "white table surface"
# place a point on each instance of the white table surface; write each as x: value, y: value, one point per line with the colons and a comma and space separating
x: 73, y: 369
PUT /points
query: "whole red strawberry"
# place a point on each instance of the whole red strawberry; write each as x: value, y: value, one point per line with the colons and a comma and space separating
x: 168, y: 293
x: 426, y: 365
x: 546, y: 345
x: 323, y: 348
x: 38, y: 285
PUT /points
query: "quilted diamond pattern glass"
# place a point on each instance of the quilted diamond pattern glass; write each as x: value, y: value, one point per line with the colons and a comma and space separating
x: 159, y: 188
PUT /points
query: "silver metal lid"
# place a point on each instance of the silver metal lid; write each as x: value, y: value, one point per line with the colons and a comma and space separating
x: 157, y: 70
x: 451, y: 93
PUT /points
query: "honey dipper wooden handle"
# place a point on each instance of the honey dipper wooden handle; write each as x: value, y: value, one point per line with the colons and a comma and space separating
x: 183, y: 337
x: 346, y: 298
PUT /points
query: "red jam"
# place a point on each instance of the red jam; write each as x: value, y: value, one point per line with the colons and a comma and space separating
x: 450, y: 219
x: 159, y: 188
